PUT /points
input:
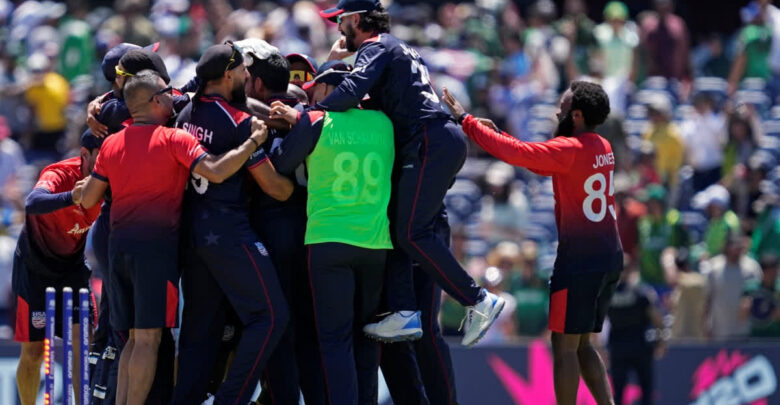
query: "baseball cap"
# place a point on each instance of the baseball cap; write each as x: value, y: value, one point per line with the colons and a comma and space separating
x: 90, y: 141
x: 136, y: 60
x: 299, y: 57
x: 331, y: 72
x: 616, y: 10
x: 112, y: 59
x: 217, y: 60
x: 349, y: 6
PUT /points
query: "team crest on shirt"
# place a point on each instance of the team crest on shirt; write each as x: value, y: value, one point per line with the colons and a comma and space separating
x: 38, y: 319
x: 261, y: 249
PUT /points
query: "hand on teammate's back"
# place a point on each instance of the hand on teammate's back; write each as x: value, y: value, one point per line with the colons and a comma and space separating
x: 457, y: 110
x: 97, y: 128
x: 339, y: 50
x: 259, y: 131
x: 281, y: 111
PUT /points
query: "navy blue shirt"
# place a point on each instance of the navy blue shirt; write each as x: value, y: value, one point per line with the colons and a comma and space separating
x: 299, y: 143
x: 260, y: 201
x: 396, y: 79
x: 214, y: 214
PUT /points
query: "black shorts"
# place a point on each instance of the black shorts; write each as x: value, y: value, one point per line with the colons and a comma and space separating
x: 579, y: 302
x: 143, y: 284
x: 29, y: 287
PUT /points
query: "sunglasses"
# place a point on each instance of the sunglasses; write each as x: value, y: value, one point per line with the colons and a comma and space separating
x: 300, y: 75
x: 232, y: 59
x: 120, y: 72
x: 340, y: 16
x: 160, y: 92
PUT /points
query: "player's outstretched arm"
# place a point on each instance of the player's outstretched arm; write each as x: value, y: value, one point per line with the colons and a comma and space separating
x: 553, y: 156
x: 90, y: 191
x: 218, y: 168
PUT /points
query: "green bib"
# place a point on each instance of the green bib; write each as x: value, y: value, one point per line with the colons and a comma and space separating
x: 349, y: 180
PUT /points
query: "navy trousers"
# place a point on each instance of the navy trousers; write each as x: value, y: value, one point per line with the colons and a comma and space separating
x: 425, y: 170
x: 346, y: 283
x: 295, y: 360
x: 421, y: 372
x: 214, y: 277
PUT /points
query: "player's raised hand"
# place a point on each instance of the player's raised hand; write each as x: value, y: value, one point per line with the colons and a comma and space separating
x: 456, y: 109
x: 259, y: 131
x: 281, y: 111
x: 78, y: 190
x: 339, y: 50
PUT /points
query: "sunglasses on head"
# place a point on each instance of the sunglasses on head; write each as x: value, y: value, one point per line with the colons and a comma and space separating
x: 120, y: 72
x: 236, y: 50
x: 300, y: 75
x: 340, y: 16
x: 161, y: 92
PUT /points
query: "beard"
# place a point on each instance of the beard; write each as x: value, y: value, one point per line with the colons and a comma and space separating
x: 349, y: 34
x: 565, y: 126
x: 238, y: 94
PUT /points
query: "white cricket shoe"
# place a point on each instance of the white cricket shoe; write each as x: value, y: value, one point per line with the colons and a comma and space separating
x: 480, y: 317
x: 396, y: 327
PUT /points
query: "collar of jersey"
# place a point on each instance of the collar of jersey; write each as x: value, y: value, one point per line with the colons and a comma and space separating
x: 211, y: 96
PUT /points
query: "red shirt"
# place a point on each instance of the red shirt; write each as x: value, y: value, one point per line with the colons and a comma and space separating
x: 582, y: 169
x: 147, y: 168
x: 61, y: 233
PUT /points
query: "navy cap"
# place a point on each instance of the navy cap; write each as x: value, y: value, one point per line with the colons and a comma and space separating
x: 331, y: 72
x: 217, y: 60
x: 137, y: 60
x: 90, y: 141
x: 349, y: 6
x: 112, y: 59
x: 299, y: 57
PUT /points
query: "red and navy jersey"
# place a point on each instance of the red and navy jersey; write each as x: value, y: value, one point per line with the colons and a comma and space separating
x: 396, y: 79
x: 147, y: 167
x: 582, y: 168
x: 219, y: 210
x: 60, y: 235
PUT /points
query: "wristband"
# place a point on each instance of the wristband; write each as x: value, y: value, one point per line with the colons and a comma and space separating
x: 257, y: 145
x: 462, y: 117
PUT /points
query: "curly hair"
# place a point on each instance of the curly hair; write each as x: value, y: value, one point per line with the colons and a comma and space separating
x: 591, y: 99
x: 376, y: 21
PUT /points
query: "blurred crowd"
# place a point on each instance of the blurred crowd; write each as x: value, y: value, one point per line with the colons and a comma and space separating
x: 694, y: 125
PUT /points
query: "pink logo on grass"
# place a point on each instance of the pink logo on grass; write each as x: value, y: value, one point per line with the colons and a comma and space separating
x: 537, y: 388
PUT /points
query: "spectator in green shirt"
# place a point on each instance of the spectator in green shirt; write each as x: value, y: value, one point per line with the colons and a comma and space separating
x: 766, y: 235
x: 753, y: 46
x: 715, y: 199
x: 762, y: 300
x: 659, y: 229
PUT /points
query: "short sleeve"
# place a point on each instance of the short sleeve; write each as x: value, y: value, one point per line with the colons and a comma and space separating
x: 100, y: 169
x: 184, y: 147
x: 50, y: 180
